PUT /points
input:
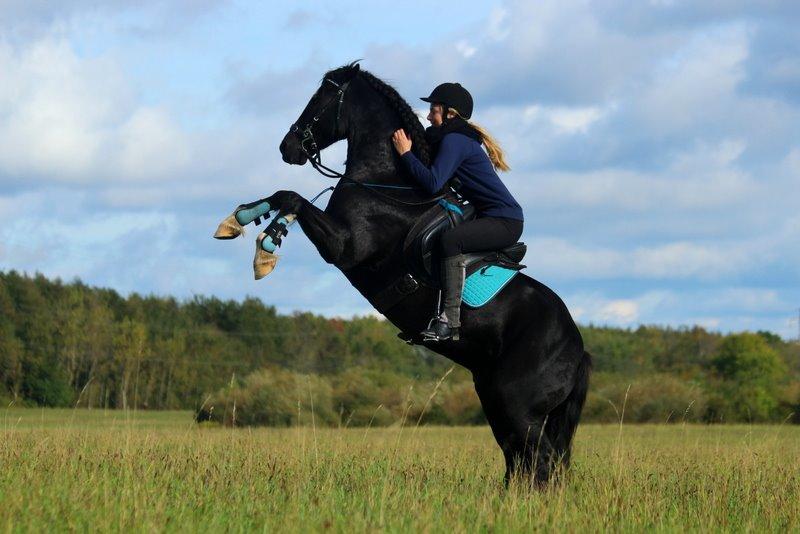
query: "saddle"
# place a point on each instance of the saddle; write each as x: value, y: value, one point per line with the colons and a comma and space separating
x: 486, y: 272
x: 420, y: 248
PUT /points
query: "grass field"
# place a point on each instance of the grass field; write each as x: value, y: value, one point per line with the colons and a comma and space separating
x: 70, y: 470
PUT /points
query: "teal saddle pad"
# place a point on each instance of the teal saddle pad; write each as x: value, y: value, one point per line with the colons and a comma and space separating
x: 481, y: 286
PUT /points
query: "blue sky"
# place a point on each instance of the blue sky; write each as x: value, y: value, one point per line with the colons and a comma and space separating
x: 655, y: 146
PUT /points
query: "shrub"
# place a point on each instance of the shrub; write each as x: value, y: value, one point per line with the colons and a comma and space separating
x: 356, y: 397
x: 274, y: 397
x: 654, y: 398
x: 461, y: 406
x: 360, y: 400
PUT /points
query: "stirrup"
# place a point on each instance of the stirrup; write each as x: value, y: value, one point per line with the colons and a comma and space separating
x: 439, y: 330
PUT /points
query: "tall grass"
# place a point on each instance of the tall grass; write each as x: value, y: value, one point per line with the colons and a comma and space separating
x: 79, y: 470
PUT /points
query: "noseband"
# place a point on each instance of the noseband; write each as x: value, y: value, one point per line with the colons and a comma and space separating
x: 307, y: 142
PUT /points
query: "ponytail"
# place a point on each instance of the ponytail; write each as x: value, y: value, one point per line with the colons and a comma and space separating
x: 493, y: 149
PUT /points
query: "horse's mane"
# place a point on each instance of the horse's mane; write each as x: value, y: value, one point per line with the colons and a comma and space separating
x: 408, y: 118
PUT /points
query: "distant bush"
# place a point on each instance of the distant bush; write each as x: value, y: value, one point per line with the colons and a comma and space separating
x: 789, y: 405
x: 365, y: 398
x: 357, y: 397
x: 655, y: 398
x: 274, y: 397
x: 461, y: 405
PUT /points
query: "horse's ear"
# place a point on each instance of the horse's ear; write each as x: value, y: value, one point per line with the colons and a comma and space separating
x: 352, y: 71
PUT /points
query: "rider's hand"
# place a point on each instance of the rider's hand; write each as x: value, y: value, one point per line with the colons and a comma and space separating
x: 401, y: 141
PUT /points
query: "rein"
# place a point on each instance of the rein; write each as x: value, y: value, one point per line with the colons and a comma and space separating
x: 371, y: 189
x: 314, y: 155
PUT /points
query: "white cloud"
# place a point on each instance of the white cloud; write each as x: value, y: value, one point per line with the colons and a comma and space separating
x: 75, y: 120
x: 564, y: 120
x: 618, y: 311
x: 574, y: 120
x: 706, y: 176
x: 696, y: 83
x: 55, y: 110
x: 597, y: 308
x: 688, y: 260
x: 734, y: 308
x: 152, y: 147
x: 560, y: 259
x: 497, y: 27
x: 749, y: 299
x: 465, y: 49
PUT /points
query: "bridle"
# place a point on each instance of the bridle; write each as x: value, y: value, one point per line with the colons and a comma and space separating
x: 306, y: 135
x: 314, y: 155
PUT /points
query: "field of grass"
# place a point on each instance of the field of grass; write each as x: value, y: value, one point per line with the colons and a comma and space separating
x: 80, y: 470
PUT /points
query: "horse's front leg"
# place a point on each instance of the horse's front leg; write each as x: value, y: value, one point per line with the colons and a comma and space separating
x: 332, y: 239
x: 330, y: 236
x: 233, y: 225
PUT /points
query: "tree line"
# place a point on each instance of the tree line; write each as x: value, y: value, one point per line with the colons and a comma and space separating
x: 68, y: 344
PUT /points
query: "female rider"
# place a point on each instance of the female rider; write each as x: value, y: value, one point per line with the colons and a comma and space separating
x: 456, y: 144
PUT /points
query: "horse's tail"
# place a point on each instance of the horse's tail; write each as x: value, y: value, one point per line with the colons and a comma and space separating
x: 563, y: 420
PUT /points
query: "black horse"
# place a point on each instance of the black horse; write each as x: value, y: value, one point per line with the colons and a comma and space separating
x: 524, y: 350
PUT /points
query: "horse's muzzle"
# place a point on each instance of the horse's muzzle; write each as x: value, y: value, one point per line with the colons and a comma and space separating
x: 291, y: 151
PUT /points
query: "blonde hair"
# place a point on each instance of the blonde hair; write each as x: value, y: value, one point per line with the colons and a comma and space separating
x: 493, y: 149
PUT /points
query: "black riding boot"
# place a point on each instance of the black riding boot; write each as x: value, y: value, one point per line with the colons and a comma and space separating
x: 447, y: 325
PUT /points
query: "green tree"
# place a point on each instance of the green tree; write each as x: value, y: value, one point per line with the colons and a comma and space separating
x: 43, y: 379
x: 130, y: 347
x: 751, y: 372
x: 11, y: 349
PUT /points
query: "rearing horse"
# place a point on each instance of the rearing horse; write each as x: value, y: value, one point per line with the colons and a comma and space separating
x: 525, y: 352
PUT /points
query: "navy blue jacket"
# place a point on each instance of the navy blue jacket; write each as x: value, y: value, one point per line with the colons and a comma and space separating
x: 464, y: 157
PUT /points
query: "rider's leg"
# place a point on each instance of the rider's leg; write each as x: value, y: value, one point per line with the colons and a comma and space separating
x: 485, y: 234
x: 452, y: 274
x: 482, y: 234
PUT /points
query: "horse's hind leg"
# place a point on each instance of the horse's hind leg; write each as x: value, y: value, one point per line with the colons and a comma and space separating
x: 563, y: 420
x: 529, y: 454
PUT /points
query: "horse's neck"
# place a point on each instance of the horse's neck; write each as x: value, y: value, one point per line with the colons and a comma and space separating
x: 372, y: 159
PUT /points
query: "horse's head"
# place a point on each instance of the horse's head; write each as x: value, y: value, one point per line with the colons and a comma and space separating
x: 323, y: 120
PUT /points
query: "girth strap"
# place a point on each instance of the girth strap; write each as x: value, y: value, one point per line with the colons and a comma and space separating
x: 391, y: 296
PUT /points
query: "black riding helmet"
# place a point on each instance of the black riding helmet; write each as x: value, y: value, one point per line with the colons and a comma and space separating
x: 451, y: 95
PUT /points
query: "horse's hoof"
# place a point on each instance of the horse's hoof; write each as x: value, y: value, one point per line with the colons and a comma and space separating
x: 229, y: 228
x: 264, y: 262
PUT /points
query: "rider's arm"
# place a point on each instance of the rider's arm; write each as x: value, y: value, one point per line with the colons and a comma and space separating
x: 452, y: 152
